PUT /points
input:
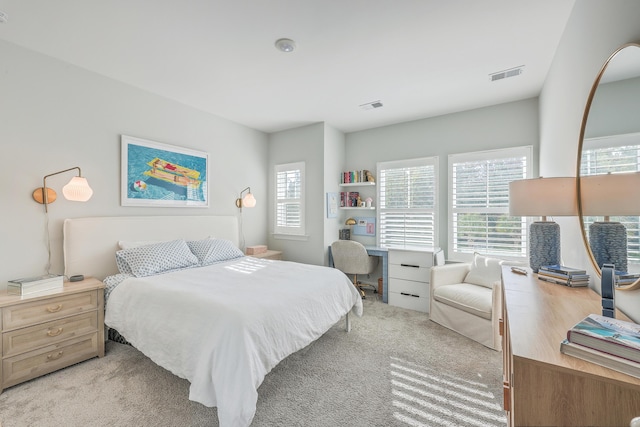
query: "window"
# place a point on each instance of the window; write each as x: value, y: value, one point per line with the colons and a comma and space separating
x: 617, y: 153
x: 479, y: 203
x: 290, y: 199
x: 407, y: 200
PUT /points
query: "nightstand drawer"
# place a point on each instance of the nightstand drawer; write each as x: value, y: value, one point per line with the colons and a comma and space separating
x: 32, y: 364
x: 54, y: 308
x: 33, y: 337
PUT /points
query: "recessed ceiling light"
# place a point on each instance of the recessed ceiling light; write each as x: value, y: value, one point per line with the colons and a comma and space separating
x: 285, y: 45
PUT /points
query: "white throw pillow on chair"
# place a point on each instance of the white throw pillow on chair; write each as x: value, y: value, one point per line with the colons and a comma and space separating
x: 484, y: 271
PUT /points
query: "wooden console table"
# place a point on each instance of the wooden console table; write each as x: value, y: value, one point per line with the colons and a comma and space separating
x: 543, y: 387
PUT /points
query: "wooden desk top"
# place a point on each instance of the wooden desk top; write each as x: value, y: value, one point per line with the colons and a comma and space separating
x: 540, y: 314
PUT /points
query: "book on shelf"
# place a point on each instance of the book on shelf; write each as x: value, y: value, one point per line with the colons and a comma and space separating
x: 29, y: 285
x: 349, y: 199
x: 600, y: 358
x: 570, y: 271
x: 609, y: 335
x: 357, y: 176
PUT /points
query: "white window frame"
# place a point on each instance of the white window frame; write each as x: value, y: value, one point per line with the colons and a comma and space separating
x: 424, y: 161
x: 522, y: 151
x: 284, y: 231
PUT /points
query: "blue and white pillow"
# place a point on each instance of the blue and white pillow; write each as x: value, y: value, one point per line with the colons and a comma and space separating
x: 161, y: 257
x: 211, y: 250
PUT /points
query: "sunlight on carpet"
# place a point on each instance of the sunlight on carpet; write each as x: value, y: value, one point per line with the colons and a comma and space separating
x: 422, y: 396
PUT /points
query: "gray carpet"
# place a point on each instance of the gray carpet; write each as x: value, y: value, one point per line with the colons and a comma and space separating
x: 395, y: 368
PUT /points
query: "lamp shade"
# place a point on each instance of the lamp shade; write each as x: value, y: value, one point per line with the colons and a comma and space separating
x: 613, y: 194
x: 248, y: 201
x: 543, y: 197
x: 77, y: 190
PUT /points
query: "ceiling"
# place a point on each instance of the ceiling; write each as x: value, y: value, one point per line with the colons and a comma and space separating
x: 420, y: 58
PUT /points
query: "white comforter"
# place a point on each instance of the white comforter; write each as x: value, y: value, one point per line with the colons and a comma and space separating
x: 225, y: 326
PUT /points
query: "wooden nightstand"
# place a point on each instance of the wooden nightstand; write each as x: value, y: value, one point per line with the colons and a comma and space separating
x: 269, y: 254
x: 42, y: 333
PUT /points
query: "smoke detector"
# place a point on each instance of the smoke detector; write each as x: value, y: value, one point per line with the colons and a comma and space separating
x: 504, y: 74
x: 285, y: 45
x: 371, y: 105
x: 3, y: 17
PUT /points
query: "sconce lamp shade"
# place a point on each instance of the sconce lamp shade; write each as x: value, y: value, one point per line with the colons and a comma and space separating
x: 77, y: 190
x: 616, y: 194
x: 248, y: 201
x: 543, y: 197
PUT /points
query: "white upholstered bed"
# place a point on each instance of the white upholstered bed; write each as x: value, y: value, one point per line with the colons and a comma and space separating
x: 222, y: 325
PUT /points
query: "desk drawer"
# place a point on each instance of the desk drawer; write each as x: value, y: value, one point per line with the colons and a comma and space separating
x: 32, y: 364
x: 400, y: 286
x: 415, y: 258
x: 409, y: 272
x: 409, y: 302
x: 33, y: 337
x: 47, y: 310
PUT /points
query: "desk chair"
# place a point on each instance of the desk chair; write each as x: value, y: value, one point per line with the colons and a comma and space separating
x: 351, y: 257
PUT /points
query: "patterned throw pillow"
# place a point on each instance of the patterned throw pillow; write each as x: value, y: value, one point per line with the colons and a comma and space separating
x: 153, y: 259
x: 211, y: 250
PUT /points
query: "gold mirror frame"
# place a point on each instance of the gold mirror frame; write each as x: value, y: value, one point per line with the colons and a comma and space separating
x: 583, y: 127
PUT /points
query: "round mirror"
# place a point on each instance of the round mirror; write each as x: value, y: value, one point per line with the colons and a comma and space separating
x: 609, y: 167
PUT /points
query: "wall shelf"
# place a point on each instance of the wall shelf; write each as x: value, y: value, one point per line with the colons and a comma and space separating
x: 359, y: 184
x: 358, y: 209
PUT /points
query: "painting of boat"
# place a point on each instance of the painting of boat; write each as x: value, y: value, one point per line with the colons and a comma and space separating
x: 173, y: 173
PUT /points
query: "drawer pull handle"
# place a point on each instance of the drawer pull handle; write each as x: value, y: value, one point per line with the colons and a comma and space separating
x: 54, y: 333
x: 54, y: 356
x: 409, y: 295
x: 54, y: 309
x: 410, y: 265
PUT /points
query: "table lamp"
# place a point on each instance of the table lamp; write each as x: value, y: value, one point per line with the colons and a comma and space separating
x: 612, y: 194
x: 543, y: 197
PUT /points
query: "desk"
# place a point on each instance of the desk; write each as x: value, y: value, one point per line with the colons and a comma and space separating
x: 384, y: 255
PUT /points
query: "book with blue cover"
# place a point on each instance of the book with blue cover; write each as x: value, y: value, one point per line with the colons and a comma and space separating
x: 557, y: 268
x: 609, y: 335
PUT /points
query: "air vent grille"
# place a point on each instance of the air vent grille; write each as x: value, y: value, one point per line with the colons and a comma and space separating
x: 371, y: 105
x: 504, y: 74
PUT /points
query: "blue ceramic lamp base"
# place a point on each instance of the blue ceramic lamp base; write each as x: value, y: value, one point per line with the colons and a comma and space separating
x: 608, y: 241
x: 544, y: 244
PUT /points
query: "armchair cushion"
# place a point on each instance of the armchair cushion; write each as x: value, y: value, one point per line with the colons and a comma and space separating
x: 484, y: 271
x: 473, y: 299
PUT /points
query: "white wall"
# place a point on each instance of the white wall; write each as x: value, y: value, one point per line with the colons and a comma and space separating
x: 595, y: 29
x: 54, y: 116
x: 334, y: 158
x: 500, y: 126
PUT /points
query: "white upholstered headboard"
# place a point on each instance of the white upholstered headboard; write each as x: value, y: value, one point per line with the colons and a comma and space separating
x: 90, y: 244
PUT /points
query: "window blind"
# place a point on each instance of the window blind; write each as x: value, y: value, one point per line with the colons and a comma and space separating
x: 289, y: 198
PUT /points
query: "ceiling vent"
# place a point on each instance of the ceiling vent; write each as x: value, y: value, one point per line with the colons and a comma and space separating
x: 504, y: 74
x: 371, y: 105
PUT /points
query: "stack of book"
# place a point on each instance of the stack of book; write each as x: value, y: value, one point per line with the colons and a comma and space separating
x: 623, y: 278
x: 349, y: 199
x: 612, y: 343
x: 562, y: 275
x: 30, y: 285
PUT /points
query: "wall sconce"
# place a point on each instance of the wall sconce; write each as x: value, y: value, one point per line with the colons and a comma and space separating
x: 247, y: 201
x: 543, y: 197
x: 76, y: 190
x: 606, y: 195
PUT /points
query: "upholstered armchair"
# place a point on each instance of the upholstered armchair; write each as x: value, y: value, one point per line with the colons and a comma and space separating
x: 467, y: 298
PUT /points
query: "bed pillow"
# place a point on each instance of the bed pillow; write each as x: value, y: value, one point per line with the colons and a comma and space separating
x: 209, y: 251
x: 156, y: 258
x: 128, y: 244
x: 484, y: 271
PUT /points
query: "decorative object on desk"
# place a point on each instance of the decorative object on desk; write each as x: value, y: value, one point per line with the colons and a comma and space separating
x: 30, y: 285
x: 364, y: 226
x: 76, y: 190
x: 543, y: 197
x: 332, y: 205
x: 155, y: 174
x: 562, y: 275
x: 368, y: 200
x: 612, y: 336
x: 601, y: 358
x: 345, y: 233
x: 606, y: 290
x: 607, y: 195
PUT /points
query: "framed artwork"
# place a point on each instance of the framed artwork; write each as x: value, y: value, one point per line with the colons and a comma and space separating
x: 155, y: 174
x: 332, y: 205
x: 365, y: 226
